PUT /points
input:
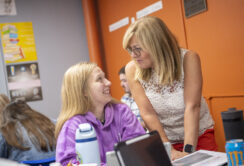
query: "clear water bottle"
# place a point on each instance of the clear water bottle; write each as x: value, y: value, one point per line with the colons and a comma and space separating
x: 86, y: 145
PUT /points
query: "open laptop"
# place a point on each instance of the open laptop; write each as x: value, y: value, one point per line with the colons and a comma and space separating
x: 148, y: 149
x: 144, y: 150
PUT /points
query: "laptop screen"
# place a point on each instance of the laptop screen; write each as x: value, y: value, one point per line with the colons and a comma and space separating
x: 144, y: 150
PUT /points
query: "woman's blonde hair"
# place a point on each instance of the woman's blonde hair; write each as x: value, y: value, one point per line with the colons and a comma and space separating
x: 4, y: 100
x: 39, y: 128
x: 154, y: 37
x: 75, y: 93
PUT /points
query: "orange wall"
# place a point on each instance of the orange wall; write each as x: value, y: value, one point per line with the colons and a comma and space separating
x: 216, y: 34
x: 111, y: 11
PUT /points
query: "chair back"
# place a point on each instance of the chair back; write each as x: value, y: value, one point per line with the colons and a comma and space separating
x: 42, y: 162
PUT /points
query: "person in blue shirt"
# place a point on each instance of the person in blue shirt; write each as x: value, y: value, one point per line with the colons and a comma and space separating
x: 25, y: 134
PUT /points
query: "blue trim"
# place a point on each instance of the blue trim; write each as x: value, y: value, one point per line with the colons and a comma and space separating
x: 86, y: 140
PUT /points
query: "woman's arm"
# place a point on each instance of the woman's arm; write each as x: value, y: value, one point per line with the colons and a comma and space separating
x: 65, y: 147
x: 192, y: 97
x: 147, y: 112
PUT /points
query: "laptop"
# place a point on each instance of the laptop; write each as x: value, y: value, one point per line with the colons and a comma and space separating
x: 112, y: 159
x: 144, y: 150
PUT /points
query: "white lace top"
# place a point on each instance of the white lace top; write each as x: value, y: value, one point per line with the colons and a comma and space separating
x: 168, y: 102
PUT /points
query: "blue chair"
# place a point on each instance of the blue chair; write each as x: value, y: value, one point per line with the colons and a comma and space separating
x: 43, y: 162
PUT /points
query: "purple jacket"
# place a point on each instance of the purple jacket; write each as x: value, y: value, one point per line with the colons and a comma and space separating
x: 120, y: 125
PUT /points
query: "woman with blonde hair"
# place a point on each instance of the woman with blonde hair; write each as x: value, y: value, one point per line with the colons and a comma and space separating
x: 166, y: 83
x: 86, y: 99
x: 25, y: 134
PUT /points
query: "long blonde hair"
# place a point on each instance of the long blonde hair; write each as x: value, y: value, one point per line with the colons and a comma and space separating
x: 160, y: 43
x: 39, y: 128
x: 74, y: 88
x: 4, y: 100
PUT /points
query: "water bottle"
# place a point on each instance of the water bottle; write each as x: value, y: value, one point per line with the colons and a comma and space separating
x: 87, y: 149
x: 233, y: 124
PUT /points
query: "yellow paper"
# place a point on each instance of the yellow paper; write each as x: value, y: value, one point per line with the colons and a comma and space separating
x: 18, y: 42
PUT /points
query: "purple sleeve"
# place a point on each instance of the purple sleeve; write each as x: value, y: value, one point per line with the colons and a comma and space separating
x: 65, y: 148
x: 131, y: 127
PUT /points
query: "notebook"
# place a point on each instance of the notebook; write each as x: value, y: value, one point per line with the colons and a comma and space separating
x: 202, y: 158
x: 144, y: 150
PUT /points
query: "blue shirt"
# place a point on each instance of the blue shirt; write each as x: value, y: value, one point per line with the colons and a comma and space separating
x: 12, y: 153
x: 130, y: 102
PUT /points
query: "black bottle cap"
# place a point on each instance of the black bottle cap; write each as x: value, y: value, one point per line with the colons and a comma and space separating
x: 232, y: 108
x: 232, y: 115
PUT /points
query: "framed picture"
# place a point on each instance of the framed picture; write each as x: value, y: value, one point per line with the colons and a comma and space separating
x: 193, y: 7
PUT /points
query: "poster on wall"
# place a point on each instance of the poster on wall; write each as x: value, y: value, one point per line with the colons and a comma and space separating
x: 18, y: 42
x: 20, y: 57
x: 24, y: 81
x: 7, y: 8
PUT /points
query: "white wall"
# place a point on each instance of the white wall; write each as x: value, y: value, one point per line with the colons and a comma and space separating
x: 60, y: 39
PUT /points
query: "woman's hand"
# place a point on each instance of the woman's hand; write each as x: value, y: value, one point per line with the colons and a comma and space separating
x: 177, y: 154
